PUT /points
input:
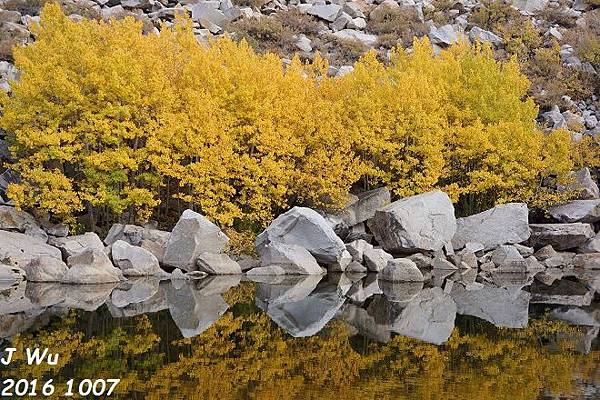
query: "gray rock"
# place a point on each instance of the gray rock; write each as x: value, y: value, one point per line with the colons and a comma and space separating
x: 153, y: 240
x: 428, y: 317
x: 303, y: 43
x: 560, y: 236
x: 529, y: 7
x: 11, y: 274
x: 328, y: 12
x: 91, y: 266
x: 508, y: 259
x: 88, y: 297
x: 12, y: 219
x: 564, y: 292
x: 217, y: 264
x: 72, y: 245
x: 287, y: 289
x: 340, y: 22
x: 135, y: 261
x: 293, y: 259
x: 400, y: 292
x: 421, y: 260
x: 45, y: 269
x: 19, y: 250
x: 412, y: 224
x: 401, y: 270
x: 357, y: 249
x: 365, y: 206
x: 342, y: 264
x: 443, y: 36
x: 376, y: 259
x: 305, y: 228
x: 481, y: 35
x: 356, y: 268
x: 591, y: 246
x: 577, y: 211
x: 503, y: 224
x: 501, y: 306
x: 193, y: 235
x: 207, y: 14
x: 576, y: 316
x: 353, y: 34
x: 442, y: 263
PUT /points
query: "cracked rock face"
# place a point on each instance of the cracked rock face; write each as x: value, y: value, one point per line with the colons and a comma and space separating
x: 503, y: 224
x: 412, y: 224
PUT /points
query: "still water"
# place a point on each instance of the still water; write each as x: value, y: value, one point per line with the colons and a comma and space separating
x: 333, y: 337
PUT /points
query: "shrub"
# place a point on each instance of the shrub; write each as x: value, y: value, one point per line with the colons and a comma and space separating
x: 132, y: 125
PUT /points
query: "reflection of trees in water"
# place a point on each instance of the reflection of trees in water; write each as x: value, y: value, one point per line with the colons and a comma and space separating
x: 245, y: 355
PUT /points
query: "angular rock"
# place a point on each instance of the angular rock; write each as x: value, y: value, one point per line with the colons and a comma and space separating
x: 428, y: 317
x: 217, y: 264
x: 353, y: 34
x: 443, y: 36
x: 503, y: 224
x: 305, y: 228
x: 19, y: 250
x: 412, y: 224
x: 357, y: 249
x: 401, y: 270
x: 12, y: 219
x: 529, y: 7
x: 135, y: 261
x: 365, y: 206
x: 501, y: 306
x: 193, y: 235
x: 342, y: 264
x: 481, y: 35
x: 11, y: 274
x: 584, y: 184
x: 355, y: 268
x: 560, y: 236
x: 328, y: 12
x: 442, y: 263
x: 293, y: 259
x: 91, y: 266
x: 591, y: 246
x: 134, y: 291
x: 153, y: 240
x: 577, y: 211
x: 508, y: 259
x: 72, y: 245
x: 45, y: 269
x: 376, y: 259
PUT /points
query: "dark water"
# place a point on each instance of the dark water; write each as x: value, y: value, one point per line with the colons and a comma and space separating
x: 333, y: 337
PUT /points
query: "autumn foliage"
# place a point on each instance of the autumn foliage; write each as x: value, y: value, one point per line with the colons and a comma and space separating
x: 116, y: 124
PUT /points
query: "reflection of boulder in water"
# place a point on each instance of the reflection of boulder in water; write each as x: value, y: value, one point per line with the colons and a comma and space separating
x: 134, y: 291
x: 307, y: 316
x: 400, y: 292
x: 428, y: 317
x: 87, y: 297
x: 564, y: 292
x: 192, y: 312
x: 290, y: 288
x: 156, y: 303
x: 365, y: 323
x: 590, y: 277
x: 13, y: 324
x: 14, y: 300
x: 582, y: 316
x: 216, y: 284
x: 501, y: 306
x: 364, y: 289
x: 584, y: 344
x: 513, y: 280
x: 45, y: 294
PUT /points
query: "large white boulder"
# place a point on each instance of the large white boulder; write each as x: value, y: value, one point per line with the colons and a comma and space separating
x: 294, y: 259
x: 153, y: 240
x: 503, y: 224
x: 45, y: 269
x: 412, y: 224
x: 306, y: 228
x: 19, y: 250
x: 217, y: 264
x: 193, y: 235
x: 91, y: 266
x: 135, y: 261
x: 401, y: 270
x: 72, y: 245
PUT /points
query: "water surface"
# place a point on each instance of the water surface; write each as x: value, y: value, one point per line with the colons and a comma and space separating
x: 335, y: 337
